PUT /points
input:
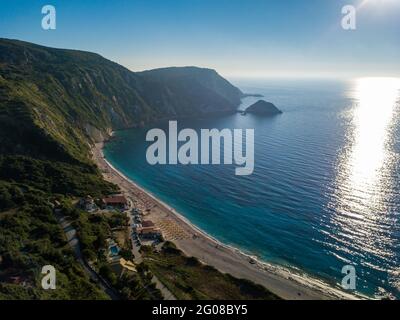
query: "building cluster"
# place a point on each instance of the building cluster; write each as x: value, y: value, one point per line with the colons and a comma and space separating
x: 148, y: 230
x: 114, y: 202
x: 144, y: 229
x: 141, y: 229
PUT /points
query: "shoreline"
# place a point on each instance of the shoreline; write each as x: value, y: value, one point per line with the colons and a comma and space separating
x: 195, y: 242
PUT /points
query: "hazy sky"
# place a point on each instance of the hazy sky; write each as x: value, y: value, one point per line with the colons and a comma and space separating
x: 235, y: 37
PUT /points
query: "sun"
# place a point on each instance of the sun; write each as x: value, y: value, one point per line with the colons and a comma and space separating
x: 376, y: 2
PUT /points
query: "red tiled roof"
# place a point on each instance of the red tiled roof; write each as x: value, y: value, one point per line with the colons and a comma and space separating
x: 149, y: 230
x: 115, y: 200
x: 147, y: 223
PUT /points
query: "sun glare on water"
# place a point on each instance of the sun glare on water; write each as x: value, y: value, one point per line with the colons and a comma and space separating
x: 366, y: 162
x: 376, y: 99
x: 363, y: 197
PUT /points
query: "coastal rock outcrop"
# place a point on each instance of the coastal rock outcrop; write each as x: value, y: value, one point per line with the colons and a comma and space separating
x: 264, y: 108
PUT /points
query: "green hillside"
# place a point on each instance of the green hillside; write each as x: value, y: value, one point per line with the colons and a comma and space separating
x: 71, y: 95
x: 53, y: 104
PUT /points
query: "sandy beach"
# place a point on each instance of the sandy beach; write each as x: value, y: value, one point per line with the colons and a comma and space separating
x: 194, y: 242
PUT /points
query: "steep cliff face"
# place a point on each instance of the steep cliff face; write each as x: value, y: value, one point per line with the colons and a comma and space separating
x: 55, y: 94
x: 196, y: 84
x: 64, y: 96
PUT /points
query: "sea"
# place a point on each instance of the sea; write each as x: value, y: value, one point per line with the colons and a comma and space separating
x: 324, y: 197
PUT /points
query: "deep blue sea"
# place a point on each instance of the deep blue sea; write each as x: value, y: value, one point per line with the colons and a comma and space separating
x: 325, y: 191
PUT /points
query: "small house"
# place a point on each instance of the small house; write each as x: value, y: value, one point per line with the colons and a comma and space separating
x: 116, y: 202
x: 147, y: 224
x: 150, y: 232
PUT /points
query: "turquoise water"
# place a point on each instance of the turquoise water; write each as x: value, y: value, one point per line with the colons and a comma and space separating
x: 325, y: 189
x: 114, y: 250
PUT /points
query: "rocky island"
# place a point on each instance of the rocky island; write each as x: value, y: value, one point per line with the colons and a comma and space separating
x: 264, y: 108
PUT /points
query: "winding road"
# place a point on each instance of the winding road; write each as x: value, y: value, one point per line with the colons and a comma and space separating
x: 73, y: 241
